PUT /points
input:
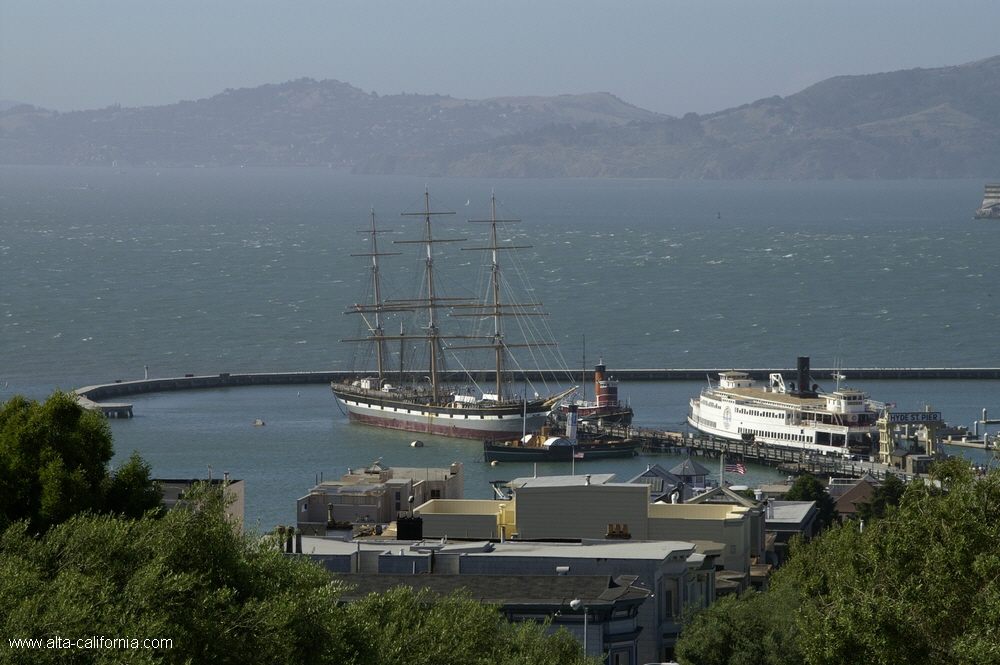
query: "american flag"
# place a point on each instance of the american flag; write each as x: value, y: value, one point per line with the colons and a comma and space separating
x: 578, y: 455
x: 736, y: 468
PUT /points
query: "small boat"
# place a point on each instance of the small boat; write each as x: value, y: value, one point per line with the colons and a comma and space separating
x: 546, y: 446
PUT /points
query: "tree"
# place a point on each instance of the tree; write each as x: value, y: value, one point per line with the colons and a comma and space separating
x: 53, y: 460
x: 919, y: 585
x: 807, y: 488
x: 222, y: 596
x: 403, y: 627
x: 130, y: 491
x: 883, y: 497
x: 751, y: 629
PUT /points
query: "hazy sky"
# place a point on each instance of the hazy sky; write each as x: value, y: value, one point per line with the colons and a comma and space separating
x: 671, y: 57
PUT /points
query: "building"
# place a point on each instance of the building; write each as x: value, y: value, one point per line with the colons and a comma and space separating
x: 679, y: 576
x: 175, y: 490
x: 611, y: 604
x: 594, y: 507
x: 663, y: 485
x: 376, y: 495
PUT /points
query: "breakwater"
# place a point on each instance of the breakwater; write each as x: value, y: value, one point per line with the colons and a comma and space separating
x: 119, y: 389
x: 98, y: 396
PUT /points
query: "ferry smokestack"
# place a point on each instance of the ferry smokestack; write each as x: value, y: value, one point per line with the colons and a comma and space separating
x: 803, y: 378
x: 571, y: 424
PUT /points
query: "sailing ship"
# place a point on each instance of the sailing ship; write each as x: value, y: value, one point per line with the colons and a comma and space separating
x: 787, y: 415
x: 432, y: 399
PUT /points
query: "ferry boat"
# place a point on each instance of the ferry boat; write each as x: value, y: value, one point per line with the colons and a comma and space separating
x: 792, y: 415
x: 402, y: 392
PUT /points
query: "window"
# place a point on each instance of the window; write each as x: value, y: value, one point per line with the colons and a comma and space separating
x: 435, y: 494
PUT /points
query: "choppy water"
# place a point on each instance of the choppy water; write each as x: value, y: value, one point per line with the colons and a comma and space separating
x: 203, y: 271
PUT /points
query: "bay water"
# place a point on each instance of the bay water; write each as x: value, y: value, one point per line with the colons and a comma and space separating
x: 109, y: 274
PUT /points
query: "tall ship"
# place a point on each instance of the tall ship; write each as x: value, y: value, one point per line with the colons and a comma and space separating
x: 792, y: 415
x: 411, y: 386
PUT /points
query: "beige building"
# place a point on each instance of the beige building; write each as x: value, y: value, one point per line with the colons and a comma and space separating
x: 174, y: 492
x: 594, y: 507
x: 376, y: 495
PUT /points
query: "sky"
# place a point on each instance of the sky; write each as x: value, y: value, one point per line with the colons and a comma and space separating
x: 670, y: 57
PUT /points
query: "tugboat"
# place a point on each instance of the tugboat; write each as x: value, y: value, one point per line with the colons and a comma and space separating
x: 606, y: 405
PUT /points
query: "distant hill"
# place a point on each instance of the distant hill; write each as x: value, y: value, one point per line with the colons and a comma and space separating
x: 921, y: 123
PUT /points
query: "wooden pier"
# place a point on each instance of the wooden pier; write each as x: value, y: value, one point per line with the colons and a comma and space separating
x: 787, y: 460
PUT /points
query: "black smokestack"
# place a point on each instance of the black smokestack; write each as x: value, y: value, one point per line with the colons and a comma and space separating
x: 803, y: 378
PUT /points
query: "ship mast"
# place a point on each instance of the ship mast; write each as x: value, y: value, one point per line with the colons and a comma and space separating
x: 494, y: 307
x: 375, y: 330
x: 432, y: 302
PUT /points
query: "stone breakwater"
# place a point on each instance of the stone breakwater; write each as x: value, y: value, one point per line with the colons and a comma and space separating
x: 96, y: 395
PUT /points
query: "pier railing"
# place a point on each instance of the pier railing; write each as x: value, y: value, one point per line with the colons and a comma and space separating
x: 790, y: 460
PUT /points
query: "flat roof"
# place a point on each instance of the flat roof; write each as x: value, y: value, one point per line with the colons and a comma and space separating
x: 594, y: 590
x: 563, y: 481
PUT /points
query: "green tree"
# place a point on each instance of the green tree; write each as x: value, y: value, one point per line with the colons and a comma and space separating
x: 919, y: 585
x: 884, y: 497
x: 807, y: 488
x: 751, y: 629
x: 53, y: 460
x: 191, y: 577
x: 402, y: 627
x: 222, y: 596
x: 130, y: 490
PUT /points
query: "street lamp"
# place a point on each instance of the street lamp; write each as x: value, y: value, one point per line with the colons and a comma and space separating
x: 577, y: 605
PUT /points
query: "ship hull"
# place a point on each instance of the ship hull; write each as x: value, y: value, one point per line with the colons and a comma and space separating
x: 463, y: 422
x: 498, y: 452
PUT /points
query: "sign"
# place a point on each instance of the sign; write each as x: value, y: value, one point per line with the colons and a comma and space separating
x: 916, y: 417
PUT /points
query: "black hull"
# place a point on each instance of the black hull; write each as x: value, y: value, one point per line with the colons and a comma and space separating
x: 500, y: 452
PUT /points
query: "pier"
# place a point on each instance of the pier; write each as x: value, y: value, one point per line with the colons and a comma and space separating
x: 788, y: 460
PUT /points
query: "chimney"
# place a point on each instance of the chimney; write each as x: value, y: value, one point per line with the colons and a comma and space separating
x: 571, y: 423
x: 803, y: 378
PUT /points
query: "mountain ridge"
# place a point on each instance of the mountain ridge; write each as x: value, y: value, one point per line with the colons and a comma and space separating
x: 918, y: 123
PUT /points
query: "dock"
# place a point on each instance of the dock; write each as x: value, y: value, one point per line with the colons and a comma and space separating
x: 787, y: 460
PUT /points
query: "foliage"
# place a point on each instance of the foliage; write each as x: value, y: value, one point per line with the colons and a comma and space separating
x: 751, y: 629
x: 919, y: 585
x: 225, y: 597
x: 54, y: 464
x: 884, y: 497
x: 190, y: 577
x: 406, y: 628
x: 130, y: 491
x: 807, y: 488
x: 53, y: 460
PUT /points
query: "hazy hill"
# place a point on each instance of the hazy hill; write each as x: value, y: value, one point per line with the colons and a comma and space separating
x: 918, y: 123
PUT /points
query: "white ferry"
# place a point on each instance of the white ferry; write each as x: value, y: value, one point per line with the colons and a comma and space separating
x: 793, y: 415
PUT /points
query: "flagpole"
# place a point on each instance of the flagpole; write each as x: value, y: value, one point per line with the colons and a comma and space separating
x: 722, y: 469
